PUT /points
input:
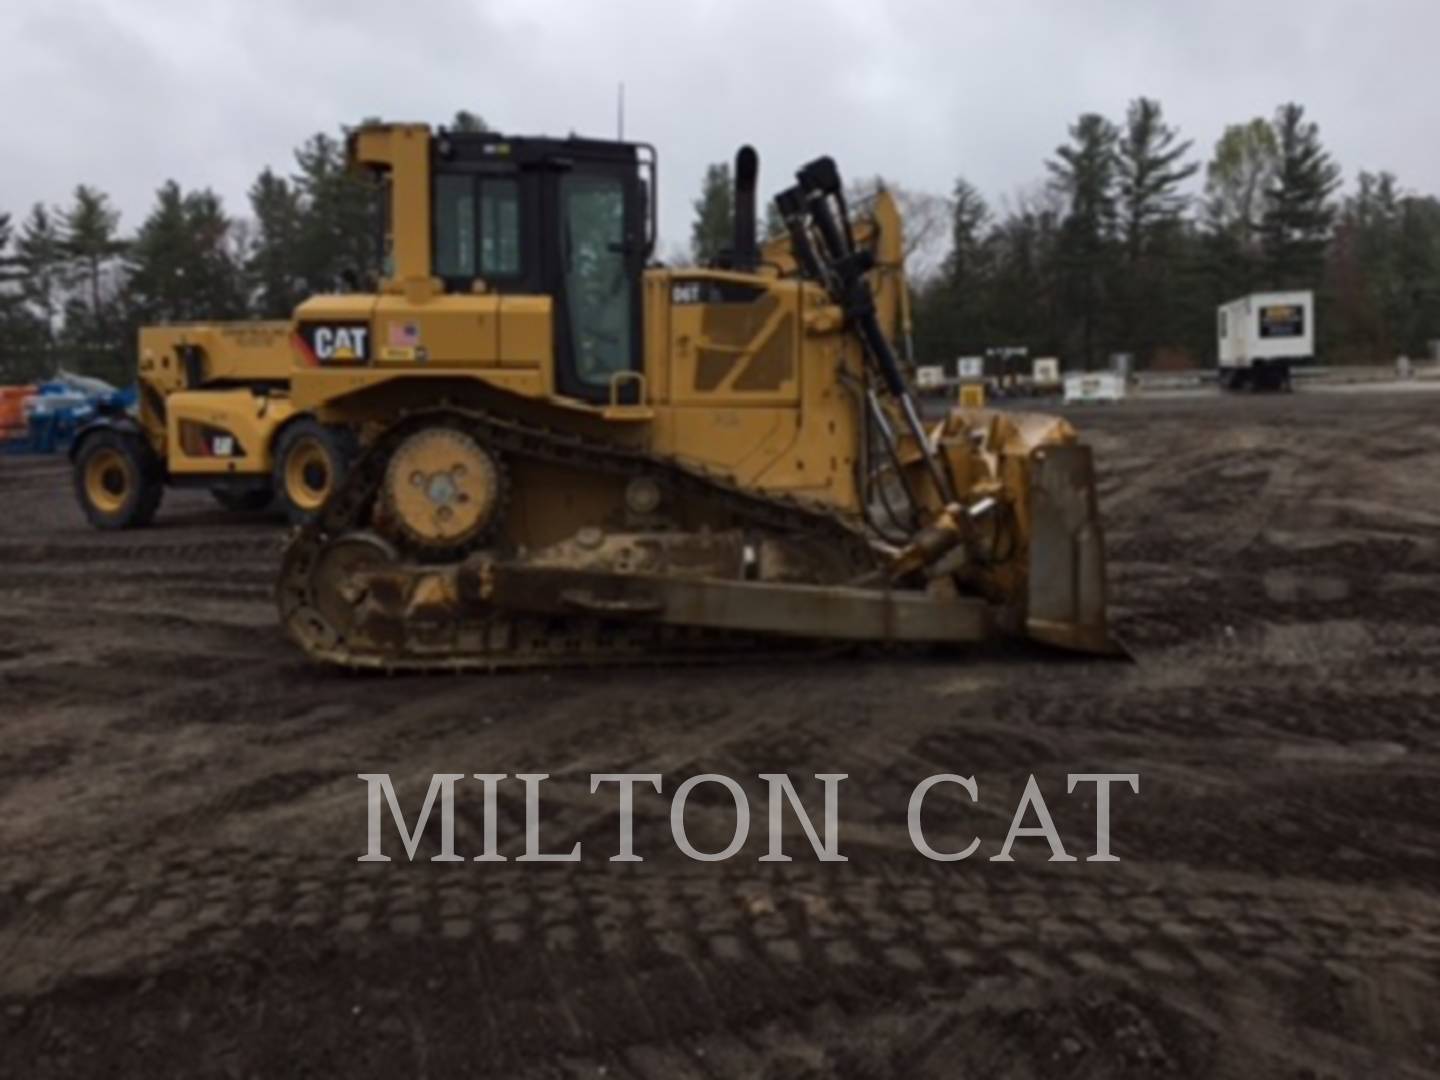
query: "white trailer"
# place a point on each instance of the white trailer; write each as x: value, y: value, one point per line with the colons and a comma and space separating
x: 1045, y: 373
x: 929, y: 377
x: 1262, y: 336
x: 970, y: 367
x: 1094, y: 387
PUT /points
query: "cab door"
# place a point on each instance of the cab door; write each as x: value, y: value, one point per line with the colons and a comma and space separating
x: 600, y: 257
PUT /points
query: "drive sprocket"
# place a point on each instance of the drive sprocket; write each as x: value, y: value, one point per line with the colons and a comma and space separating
x: 443, y: 492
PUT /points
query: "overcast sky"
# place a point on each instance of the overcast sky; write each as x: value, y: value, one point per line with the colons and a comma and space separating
x: 124, y: 94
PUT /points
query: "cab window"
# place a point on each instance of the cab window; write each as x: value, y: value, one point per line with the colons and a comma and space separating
x: 454, y: 227
x: 499, y: 228
x: 477, y: 227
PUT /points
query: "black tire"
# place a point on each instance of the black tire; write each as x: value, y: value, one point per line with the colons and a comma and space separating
x: 118, y: 479
x: 244, y: 500
x: 1270, y: 378
x: 310, y: 461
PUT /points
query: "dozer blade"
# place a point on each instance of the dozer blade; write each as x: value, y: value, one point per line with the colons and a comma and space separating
x: 1067, y: 553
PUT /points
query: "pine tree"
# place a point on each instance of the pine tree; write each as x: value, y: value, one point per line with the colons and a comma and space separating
x: 158, y: 259
x: 276, y: 284
x: 1028, y: 283
x: 216, y: 274
x: 1382, y: 278
x: 1236, y: 179
x: 94, y: 322
x: 1150, y: 168
x: 10, y: 272
x: 1084, y: 172
x: 1374, y: 217
x: 16, y: 327
x: 340, y: 227
x: 1417, y: 239
x: 714, y: 225
x: 958, y: 300
x: 774, y: 223
x: 40, y: 251
x: 1298, y: 209
x: 182, y: 266
x: 969, y: 222
x: 92, y: 243
x: 467, y: 121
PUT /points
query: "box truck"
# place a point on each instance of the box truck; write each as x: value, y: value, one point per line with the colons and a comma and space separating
x: 1262, y: 336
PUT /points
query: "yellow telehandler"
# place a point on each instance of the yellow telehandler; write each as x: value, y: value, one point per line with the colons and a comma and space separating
x: 215, y: 412
x: 577, y: 456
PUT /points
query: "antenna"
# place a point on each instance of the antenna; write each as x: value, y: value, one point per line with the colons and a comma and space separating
x: 620, y: 113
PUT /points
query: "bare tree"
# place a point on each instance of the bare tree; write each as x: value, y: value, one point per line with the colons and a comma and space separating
x: 926, y: 217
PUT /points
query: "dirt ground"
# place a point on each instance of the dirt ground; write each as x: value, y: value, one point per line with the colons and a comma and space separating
x: 180, y: 815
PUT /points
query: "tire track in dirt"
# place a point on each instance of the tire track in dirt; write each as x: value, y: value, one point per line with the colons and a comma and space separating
x: 181, y: 795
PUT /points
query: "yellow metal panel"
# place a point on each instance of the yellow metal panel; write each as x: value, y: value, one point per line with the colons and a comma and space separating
x: 734, y: 353
x: 656, y: 299
x: 251, y: 419
x: 800, y: 436
x: 526, y: 333
x: 454, y: 331
x: 741, y: 441
x: 820, y: 461
x: 324, y: 390
x: 238, y: 351
x: 404, y: 151
x: 340, y: 308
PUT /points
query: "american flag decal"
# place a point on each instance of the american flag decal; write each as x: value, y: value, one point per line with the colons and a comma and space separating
x: 404, y: 335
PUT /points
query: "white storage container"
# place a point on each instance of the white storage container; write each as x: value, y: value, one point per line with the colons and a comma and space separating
x: 1263, y: 335
x: 1090, y: 387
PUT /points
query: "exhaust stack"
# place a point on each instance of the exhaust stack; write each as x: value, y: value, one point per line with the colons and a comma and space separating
x: 744, y: 253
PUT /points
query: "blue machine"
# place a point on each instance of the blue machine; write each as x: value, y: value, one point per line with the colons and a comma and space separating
x: 60, y: 408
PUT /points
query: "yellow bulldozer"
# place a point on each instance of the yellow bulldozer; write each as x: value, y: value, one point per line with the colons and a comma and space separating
x: 214, y: 412
x: 573, y: 455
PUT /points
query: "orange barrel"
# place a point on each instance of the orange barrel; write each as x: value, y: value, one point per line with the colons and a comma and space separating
x: 12, y: 410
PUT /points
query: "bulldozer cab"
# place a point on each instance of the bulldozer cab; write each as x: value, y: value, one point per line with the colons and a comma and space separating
x: 572, y: 219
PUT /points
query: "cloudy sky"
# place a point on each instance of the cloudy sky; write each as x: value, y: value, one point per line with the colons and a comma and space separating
x: 124, y: 94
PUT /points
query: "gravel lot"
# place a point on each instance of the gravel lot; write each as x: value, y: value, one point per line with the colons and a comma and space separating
x: 180, y: 815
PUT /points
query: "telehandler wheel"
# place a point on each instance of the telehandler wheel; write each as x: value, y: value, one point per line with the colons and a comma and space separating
x: 310, y: 462
x: 244, y: 500
x: 118, y: 480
